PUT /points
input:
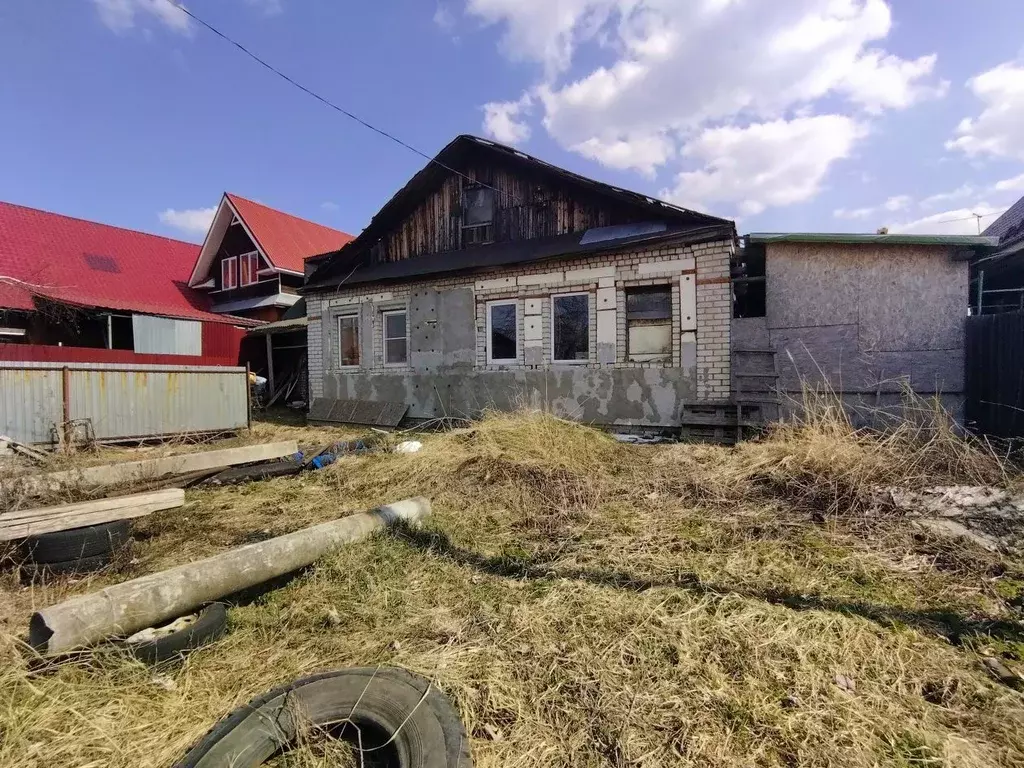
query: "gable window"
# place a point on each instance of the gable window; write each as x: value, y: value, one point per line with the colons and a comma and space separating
x: 649, y: 323
x: 570, y: 328
x: 477, y: 215
x: 502, y: 330
x: 229, y: 273
x: 248, y: 268
x: 396, y: 344
x: 348, y: 340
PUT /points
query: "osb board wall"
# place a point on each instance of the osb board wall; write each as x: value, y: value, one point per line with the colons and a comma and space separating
x: 867, y: 318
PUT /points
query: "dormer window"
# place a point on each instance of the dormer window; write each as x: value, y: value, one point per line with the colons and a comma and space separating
x: 477, y: 215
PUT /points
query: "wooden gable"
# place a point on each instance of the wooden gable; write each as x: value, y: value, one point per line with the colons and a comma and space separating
x: 528, y: 204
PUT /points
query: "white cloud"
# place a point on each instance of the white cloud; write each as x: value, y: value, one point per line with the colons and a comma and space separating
x: 766, y: 164
x: 444, y: 18
x: 1016, y: 184
x: 122, y: 15
x: 996, y: 131
x: 644, y: 153
x: 854, y: 213
x: 961, y: 221
x: 503, y: 120
x: 961, y: 192
x: 898, y: 203
x: 661, y: 74
x: 267, y: 7
x: 193, y: 221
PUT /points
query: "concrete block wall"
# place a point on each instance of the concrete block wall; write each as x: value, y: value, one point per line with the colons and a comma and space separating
x: 697, y: 274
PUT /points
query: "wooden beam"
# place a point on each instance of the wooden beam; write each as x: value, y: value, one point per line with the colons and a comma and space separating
x: 270, y: 363
x: 32, y: 522
x: 148, y: 469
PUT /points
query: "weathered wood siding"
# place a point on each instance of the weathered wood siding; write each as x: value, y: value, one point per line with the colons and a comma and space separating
x: 525, y: 207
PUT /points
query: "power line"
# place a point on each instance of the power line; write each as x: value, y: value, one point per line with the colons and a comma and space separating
x: 972, y: 216
x: 327, y: 101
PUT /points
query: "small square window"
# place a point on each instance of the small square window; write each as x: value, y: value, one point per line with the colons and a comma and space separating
x: 570, y: 323
x: 348, y: 340
x: 478, y: 206
x: 396, y: 344
x: 502, y: 332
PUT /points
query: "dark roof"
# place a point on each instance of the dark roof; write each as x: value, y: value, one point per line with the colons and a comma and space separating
x: 485, y: 257
x: 1011, y: 219
x: 856, y: 238
x: 338, y: 263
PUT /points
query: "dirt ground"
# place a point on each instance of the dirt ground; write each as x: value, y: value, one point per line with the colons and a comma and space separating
x: 584, y: 603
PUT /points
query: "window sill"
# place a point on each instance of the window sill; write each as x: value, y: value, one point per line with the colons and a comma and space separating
x: 572, y: 362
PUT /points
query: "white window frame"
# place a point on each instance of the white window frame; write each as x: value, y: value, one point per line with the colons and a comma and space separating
x: 385, y: 338
x: 350, y: 366
x: 514, y: 303
x: 223, y: 280
x: 590, y: 350
x: 251, y: 256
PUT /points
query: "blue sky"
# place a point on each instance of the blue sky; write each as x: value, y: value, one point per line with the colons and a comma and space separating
x: 798, y: 115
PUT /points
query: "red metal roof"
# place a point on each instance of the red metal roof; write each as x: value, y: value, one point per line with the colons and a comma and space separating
x: 97, y: 265
x: 286, y: 240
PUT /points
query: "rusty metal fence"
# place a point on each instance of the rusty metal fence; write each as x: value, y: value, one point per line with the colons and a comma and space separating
x: 53, y: 402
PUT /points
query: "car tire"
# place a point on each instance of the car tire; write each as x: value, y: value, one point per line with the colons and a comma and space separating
x: 76, y: 543
x: 416, y: 720
x: 210, y: 623
x: 34, y: 571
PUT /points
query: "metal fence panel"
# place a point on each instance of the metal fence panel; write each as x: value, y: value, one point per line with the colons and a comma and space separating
x: 994, y: 381
x: 30, y: 403
x: 167, y: 336
x: 121, y: 401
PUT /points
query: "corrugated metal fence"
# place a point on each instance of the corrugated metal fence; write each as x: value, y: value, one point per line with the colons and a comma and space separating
x: 994, y: 381
x: 116, y: 402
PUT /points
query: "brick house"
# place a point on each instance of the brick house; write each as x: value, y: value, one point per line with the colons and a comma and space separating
x: 493, y: 279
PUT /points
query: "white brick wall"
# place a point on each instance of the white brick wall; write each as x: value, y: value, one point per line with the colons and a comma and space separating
x: 607, y: 275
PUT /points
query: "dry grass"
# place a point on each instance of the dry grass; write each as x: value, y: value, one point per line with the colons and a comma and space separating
x: 587, y: 603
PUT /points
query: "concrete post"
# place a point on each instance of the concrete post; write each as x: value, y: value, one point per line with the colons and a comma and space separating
x: 150, y: 600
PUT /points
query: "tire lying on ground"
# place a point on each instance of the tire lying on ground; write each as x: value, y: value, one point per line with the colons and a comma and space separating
x: 403, y: 722
x: 171, y: 641
x: 31, y: 571
x: 76, y: 543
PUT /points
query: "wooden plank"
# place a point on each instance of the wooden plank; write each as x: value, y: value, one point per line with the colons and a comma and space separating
x: 147, y: 469
x: 32, y: 522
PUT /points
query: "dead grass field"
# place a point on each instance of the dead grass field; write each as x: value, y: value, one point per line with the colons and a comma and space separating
x: 586, y: 603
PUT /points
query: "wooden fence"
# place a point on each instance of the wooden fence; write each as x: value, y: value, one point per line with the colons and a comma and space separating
x: 994, y: 380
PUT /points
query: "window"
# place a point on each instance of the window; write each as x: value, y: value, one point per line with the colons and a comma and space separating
x: 229, y: 273
x: 248, y: 268
x: 570, y: 324
x: 748, y: 281
x: 502, y: 329
x: 649, y: 323
x: 477, y: 215
x: 348, y: 340
x: 396, y: 345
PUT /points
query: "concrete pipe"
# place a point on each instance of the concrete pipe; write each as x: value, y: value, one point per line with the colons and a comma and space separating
x: 147, y: 601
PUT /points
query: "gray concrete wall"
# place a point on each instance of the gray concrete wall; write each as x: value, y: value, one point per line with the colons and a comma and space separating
x: 863, y: 320
x: 448, y: 371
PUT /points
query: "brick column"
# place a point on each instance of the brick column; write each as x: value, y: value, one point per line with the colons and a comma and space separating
x: 714, y: 321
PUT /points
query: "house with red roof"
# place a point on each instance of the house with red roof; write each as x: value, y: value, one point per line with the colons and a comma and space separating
x: 251, y: 262
x: 75, y: 284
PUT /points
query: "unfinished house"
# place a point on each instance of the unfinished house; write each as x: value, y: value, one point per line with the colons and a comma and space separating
x: 493, y: 279
x: 863, y: 315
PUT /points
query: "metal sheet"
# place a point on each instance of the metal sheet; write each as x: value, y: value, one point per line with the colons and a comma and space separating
x: 121, y: 401
x: 167, y: 336
x: 375, y: 413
